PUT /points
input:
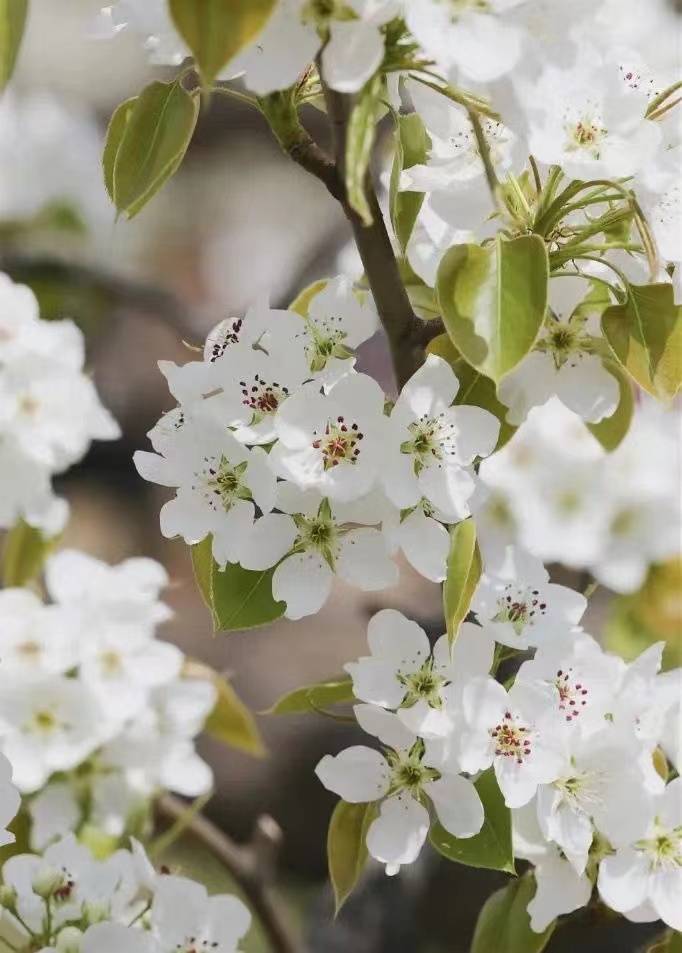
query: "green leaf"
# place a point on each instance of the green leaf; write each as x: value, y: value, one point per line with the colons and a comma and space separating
x: 464, y: 571
x: 504, y: 925
x: 146, y: 143
x: 216, y: 30
x: 13, y: 15
x: 670, y: 942
x: 475, y: 388
x: 23, y: 554
x: 301, y: 302
x: 645, y: 335
x: 236, y: 598
x: 115, y: 130
x: 494, y: 300
x: 361, y: 132
x: 314, y: 697
x: 492, y: 847
x: 230, y: 721
x: 411, y: 148
x: 610, y: 431
x: 346, y: 849
x: 242, y: 599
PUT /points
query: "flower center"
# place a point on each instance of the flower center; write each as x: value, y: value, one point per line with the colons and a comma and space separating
x: 587, y: 134
x: 408, y: 771
x: 664, y: 848
x: 30, y: 650
x: 573, y: 695
x: 511, y: 739
x: 339, y: 443
x: 261, y: 397
x: 424, y: 684
x: 318, y: 534
x: 520, y: 607
x: 223, y: 483
x: 111, y: 663
x: 432, y: 439
x: 44, y: 722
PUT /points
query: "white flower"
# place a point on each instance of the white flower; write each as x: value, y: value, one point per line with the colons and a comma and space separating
x: 355, y: 50
x: 585, y: 120
x: 337, y: 321
x: 399, y: 779
x: 431, y: 443
x: 35, y: 640
x: 27, y: 492
x: 54, y: 812
x: 48, y: 725
x: 312, y: 546
x: 403, y: 672
x: 467, y: 36
x: 649, y: 871
x: 183, y: 916
x: 335, y: 442
x: 515, y: 731
x: 519, y: 607
x: 454, y: 158
x: 218, y: 480
x: 421, y: 536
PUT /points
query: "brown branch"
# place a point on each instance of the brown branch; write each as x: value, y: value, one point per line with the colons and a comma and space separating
x: 252, y: 867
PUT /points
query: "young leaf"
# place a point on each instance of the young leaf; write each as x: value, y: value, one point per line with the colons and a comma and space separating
x: 23, y: 554
x: 301, y: 302
x: 612, y: 430
x: 645, y: 335
x: 464, y: 571
x: 474, y: 388
x: 492, y: 847
x: 115, y: 130
x: 149, y: 139
x: 360, y: 139
x: 230, y: 721
x: 346, y: 849
x: 13, y: 15
x: 216, y: 30
x: 504, y: 925
x: 493, y: 300
x: 314, y: 697
x: 202, y: 564
x: 411, y: 148
x: 242, y: 599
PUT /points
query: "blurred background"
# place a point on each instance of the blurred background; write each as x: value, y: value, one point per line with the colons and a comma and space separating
x: 237, y: 221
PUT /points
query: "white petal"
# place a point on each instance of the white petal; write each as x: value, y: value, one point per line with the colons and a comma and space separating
x: 114, y: 937
x: 396, y: 837
x: 303, y: 581
x: 457, y: 804
x: 385, y: 726
x: 393, y: 637
x: 559, y: 890
x: 623, y: 879
x: 353, y: 54
x: 364, y: 560
x: 666, y: 892
x: 477, y: 432
x: 426, y: 544
x: 270, y: 539
x: 357, y: 775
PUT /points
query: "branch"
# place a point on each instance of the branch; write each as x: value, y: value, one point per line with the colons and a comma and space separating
x: 252, y: 867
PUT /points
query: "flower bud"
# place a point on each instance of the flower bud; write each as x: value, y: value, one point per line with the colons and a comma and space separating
x: 47, y: 881
x: 69, y: 940
x: 8, y: 897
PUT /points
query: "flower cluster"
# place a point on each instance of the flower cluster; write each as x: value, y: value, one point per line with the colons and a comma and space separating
x: 49, y: 408
x: 292, y: 460
x: 65, y: 901
x: 96, y: 715
x: 555, y: 491
x: 575, y: 730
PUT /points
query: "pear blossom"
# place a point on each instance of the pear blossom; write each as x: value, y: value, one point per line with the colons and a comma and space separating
x: 480, y: 41
x: 515, y: 732
x: 432, y: 443
x: 649, y: 870
x: 218, y: 481
x: 316, y: 542
x: 519, y: 607
x: 333, y: 443
x: 35, y: 640
x: 400, y: 779
x: 404, y: 674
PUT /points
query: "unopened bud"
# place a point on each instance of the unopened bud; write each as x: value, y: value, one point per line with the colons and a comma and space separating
x: 69, y: 940
x: 8, y: 897
x: 47, y: 881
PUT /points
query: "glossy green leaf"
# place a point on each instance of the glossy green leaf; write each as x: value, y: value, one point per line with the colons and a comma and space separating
x: 671, y: 942
x: 115, y: 130
x: 464, y: 571
x: 494, y: 300
x: 242, y: 599
x: 492, y: 847
x: 236, y: 598
x: 314, y: 697
x: 475, y: 388
x: 611, y: 431
x: 504, y: 925
x: 412, y: 144
x: 645, y: 335
x: 346, y: 849
x: 231, y: 721
x: 24, y: 553
x: 361, y: 132
x: 149, y: 138
x: 13, y: 15
x: 216, y: 30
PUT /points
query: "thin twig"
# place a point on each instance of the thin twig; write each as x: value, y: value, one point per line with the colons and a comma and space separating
x: 251, y: 866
